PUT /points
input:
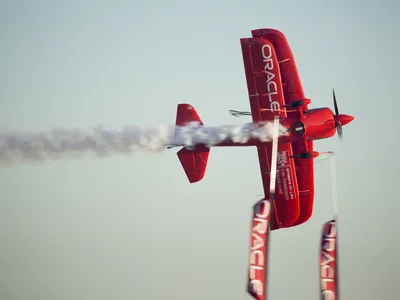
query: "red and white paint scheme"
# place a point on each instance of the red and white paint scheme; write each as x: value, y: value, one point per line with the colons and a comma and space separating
x: 274, y: 90
x: 329, y: 262
x: 259, y: 250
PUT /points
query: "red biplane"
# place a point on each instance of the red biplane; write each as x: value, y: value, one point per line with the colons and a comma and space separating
x: 275, y: 89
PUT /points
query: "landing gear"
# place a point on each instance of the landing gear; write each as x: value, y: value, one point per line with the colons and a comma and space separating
x: 306, y: 155
x: 237, y: 113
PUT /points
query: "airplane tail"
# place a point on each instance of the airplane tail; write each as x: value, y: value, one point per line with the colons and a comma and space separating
x: 194, y: 162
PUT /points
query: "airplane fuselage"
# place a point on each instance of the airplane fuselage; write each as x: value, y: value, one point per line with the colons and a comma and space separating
x: 312, y: 124
x: 318, y: 123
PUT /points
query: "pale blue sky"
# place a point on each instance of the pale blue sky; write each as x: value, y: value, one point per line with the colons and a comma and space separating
x: 134, y: 228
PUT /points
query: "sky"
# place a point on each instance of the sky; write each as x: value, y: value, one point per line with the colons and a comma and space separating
x: 133, y: 227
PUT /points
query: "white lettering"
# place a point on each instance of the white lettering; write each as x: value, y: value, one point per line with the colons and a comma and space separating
x: 328, y: 248
x: 275, y: 105
x: 264, y: 54
x: 272, y: 83
x: 258, y: 247
x: 284, y: 178
x: 256, y: 286
x: 266, y: 205
x: 261, y: 226
x: 282, y: 158
x: 260, y: 258
x: 253, y: 270
x: 328, y: 295
x: 270, y: 76
x: 272, y: 88
x: 258, y: 242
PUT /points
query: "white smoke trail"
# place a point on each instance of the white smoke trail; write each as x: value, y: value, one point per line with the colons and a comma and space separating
x: 20, y: 147
x: 334, y: 187
x: 331, y: 156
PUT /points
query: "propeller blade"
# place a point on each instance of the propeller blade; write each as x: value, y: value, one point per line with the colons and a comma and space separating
x: 335, y: 103
x: 339, y: 130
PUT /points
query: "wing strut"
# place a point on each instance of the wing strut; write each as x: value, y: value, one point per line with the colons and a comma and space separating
x: 272, y: 183
x: 274, y: 159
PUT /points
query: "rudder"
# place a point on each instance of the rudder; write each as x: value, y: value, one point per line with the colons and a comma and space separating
x: 194, y: 162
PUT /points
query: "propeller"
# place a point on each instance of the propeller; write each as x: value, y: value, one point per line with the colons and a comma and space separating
x: 340, y: 119
x: 338, y: 125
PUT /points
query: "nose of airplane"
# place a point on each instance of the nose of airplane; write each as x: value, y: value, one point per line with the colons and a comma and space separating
x: 343, y: 119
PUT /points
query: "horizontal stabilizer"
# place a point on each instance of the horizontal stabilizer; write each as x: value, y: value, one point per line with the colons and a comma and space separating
x: 194, y: 163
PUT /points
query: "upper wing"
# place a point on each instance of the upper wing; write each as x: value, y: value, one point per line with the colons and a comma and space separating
x: 266, y: 100
x: 263, y: 79
x: 291, y: 83
x: 292, y: 91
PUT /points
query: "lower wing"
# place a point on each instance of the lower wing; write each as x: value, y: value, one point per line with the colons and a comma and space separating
x: 266, y: 97
x: 291, y: 83
x: 263, y: 79
x: 287, y: 200
x: 305, y: 180
x: 293, y: 90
